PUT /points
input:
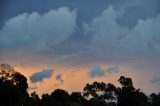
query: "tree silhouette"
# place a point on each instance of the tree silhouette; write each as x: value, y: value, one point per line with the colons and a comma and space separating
x: 100, y: 93
x: 94, y: 89
x: 13, y: 92
x: 129, y: 96
x: 57, y: 98
x: 33, y: 100
x: 13, y: 86
x: 60, y: 95
x: 155, y: 99
x: 126, y: 82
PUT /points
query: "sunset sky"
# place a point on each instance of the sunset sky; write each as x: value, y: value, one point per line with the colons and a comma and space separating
x: 68, y: 43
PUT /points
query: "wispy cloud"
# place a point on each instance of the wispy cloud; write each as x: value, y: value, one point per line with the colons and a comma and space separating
x: 59, y: 78
x: 113, y: 69
x: 155, y: 80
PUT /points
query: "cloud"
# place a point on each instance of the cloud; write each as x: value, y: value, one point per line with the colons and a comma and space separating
x: 97, y: 72
x: 104, y: 38
x: 59, y: 78
x: 100, y: 71
x: 155, y: 80
x: 111, y: 39
x: 38, y: 31
x: 39, y: 76
x: 144, y: 37
x: 113, y: 69
x: 106, y: 32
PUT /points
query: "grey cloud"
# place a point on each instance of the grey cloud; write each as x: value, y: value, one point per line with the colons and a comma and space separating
x: 113, y: 69
x: 155, y: 80
x: 59, y: 78
x: 100, y: 71
x: 109, y: 41
x: 95, y: 6
x: 113, y: 39
x: 97, y: 72
x: 106, y: 32
x: 39, y: 76
x: 142, y: 38
x: 38, y: 31
x: 105, y: 39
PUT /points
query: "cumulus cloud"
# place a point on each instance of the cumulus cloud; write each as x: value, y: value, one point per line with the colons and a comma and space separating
x: 39, y: 76
x: 111, y: 39
x: 144, y: 36
x: 59, y: 78
x: 105, y: 31
x: 36, y: 30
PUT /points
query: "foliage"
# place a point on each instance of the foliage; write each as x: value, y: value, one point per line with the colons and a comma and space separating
x: 13, y: 92
x: 13, y: 87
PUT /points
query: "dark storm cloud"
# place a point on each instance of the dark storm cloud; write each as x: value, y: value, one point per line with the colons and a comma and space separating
x: 40, y: 76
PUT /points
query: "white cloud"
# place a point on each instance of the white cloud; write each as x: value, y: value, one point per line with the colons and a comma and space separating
x: 36, y: 30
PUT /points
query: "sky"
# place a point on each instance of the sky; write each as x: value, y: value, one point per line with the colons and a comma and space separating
x: 68, y: 43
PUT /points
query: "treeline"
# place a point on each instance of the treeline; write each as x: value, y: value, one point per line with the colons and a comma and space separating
x: 13, y: 92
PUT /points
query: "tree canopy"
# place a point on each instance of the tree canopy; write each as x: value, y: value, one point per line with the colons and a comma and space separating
x: 13, y: 92
x: 13, y: 86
